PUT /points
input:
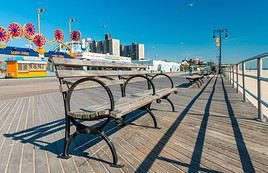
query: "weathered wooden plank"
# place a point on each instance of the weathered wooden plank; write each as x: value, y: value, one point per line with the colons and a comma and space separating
x: 6, y: 144
x: 101, y: 154
x: 7, y: 116
x: 77, y: 62
x: 54, y: 164
x: 96, y: 73
x: 183, y: 151
x: 173, y: 137
x: 3, y: 108
x: 132, y: 105
x: 143, y: 148
x: 127, y: 157
x: 89, y: 84
x: 102, y: 151
x: 211, y: 142
x: 70, y: 164
x: 170, y: 154
x: 187, y: 125
x: 249, y: 135
x: 123, y: 106
x: 40, y: 156
x: 27, y: 164
x: 139, y: 155
x: 16, y: 150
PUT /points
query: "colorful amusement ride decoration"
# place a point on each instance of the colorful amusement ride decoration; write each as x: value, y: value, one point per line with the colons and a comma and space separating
x: 15, y: 30
x: 59, y: 36
x: 76, y: 35
x: 28, y: 31
x: 4, y: 35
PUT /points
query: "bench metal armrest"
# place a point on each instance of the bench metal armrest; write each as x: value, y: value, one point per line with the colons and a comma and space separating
x: 161, y: 74
x: 135, y: 76
x: 75, y: 84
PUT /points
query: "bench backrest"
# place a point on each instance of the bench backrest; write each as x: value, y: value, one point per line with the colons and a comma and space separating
x: 69, y: 68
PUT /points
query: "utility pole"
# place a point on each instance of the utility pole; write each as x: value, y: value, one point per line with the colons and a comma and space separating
x: 219, y: 32
x: 70, y: 33
x: 70, y: 28
x: 39, y: 11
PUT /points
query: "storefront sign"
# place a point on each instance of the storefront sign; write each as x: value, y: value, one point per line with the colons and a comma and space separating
x: 20, y: 53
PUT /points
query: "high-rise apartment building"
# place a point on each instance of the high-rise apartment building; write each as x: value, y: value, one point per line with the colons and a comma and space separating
x: 108, y: 46
x: 135, y: 51
x: 112, y: 47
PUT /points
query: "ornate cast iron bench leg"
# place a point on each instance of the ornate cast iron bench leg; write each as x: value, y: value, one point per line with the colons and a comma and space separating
x: 82, y: 129
x: 169, y: 101
x: 99, y: 131
x: 67, y: 140
x: 148, y: 110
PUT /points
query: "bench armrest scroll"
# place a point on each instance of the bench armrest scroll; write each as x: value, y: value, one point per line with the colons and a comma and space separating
x: 74, y: 85
x: 141, y: 76
x: 161, y: 74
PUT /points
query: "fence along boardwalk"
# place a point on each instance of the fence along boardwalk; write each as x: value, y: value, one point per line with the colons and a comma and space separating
x: 212, y: 130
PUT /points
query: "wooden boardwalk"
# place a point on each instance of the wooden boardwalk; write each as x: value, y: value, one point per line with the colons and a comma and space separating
x: 213, y: 130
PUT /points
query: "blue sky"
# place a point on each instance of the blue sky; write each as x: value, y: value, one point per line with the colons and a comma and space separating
x: 170, y: 29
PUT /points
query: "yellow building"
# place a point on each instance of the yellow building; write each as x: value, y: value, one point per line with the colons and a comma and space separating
x: 23, y: 67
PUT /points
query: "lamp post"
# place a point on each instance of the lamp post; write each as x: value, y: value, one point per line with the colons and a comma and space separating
x: 219, y: 32
x: 39, y: 11
x: 70, y: 29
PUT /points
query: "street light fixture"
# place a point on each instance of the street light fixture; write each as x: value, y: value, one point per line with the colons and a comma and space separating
x: 39, y: 11
x: 219, y: 32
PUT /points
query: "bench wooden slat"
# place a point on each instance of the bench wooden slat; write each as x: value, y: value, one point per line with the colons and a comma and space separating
x: 89, y: 85
x: 63, y: 87
x: 95, y: 73
x: 133, y: 104
x: 123, y: 106
x: 159, y: 93
x: 77, y: 62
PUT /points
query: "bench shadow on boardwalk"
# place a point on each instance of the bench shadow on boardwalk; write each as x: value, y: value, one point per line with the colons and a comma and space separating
x: 34, y: 134
x: 194, y: 166
x: 202, y: 101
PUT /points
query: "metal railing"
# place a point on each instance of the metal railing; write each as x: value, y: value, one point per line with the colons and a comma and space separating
x: 233, y: 73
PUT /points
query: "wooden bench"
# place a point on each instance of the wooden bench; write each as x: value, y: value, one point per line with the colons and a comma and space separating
x: 196, y: 79
x: 73, y: 73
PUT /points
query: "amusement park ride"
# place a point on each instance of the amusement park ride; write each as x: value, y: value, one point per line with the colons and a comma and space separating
x: 28, y: 31
x: 27, y: 62
x: 32, y: 63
